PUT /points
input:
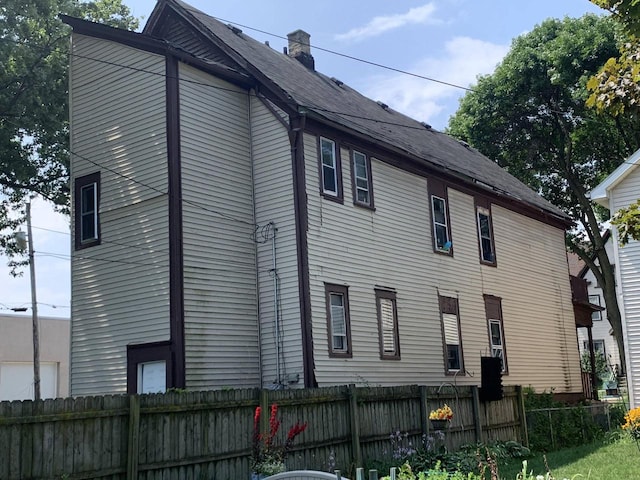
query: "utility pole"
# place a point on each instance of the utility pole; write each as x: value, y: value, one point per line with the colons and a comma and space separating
x: 34, y: 311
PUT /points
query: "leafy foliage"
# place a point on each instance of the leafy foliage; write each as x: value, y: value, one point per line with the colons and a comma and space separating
x: 34, y: 58
x: 602, y: 367
x: 530, y: 116
x: 552, y: 425
x: 627, y: 221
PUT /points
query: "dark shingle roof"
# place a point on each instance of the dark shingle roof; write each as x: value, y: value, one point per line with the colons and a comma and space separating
x: 344, y: 106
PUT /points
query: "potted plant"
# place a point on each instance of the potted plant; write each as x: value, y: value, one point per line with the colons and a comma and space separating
x: 267, y: 457
x: 441, y: 417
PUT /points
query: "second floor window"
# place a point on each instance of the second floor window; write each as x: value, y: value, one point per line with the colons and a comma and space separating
x: 485, y: 236
x: 361, y: 179
x: 330, y: 169
x: 595, y: 299
x: 86, y: 205
x: 440, y: 227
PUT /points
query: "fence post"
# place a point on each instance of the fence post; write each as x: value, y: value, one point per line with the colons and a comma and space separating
x: 355, y: 425
x: 477, y: 421
x: 266, y: 413
x: 424, y: 416
x: 134, y: 437
x: 523, y: 415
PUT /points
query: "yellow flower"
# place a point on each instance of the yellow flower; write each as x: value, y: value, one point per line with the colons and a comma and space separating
x: 442, y: 413
x: 632, y: 422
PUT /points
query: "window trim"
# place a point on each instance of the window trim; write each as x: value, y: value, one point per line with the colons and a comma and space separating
x: 145, y: 353
x: 450, y: 305
x: 437, y: 189
x: 484, y: 207
x: 354, y: 184
x: 387, y: 294
x: 598, y: 302
x: 79, y: 184
x: 493, y: 312
x: 328, y: 194
x: 331, y: 288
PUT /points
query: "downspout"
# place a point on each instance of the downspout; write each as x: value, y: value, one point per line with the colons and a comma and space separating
x: 276, y: 312
x: 255, y: 243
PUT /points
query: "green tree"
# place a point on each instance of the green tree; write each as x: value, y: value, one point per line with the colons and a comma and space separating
x: 530, y: 116
x: 616, y: 90
x: 34, y: 59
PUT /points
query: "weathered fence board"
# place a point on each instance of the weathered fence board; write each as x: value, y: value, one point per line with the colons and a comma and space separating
x: 195, y: 435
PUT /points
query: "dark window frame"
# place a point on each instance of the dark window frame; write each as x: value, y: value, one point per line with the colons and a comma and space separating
x: 332, y: 288
x: 354, y: 186
x: 451, y: 306
x: 144, y: 353
x: 79, y: 184
x: 438, y: 189
x: 339, y: 195
x: 388, y: 295
x: 483, y: 206
x: 493, y: 312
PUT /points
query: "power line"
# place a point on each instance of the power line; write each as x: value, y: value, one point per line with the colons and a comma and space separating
x: 344, y: 55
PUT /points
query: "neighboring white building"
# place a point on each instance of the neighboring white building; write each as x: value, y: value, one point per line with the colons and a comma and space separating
x: 16, y: 357
x: 603, y: 339
x: 619, y: 190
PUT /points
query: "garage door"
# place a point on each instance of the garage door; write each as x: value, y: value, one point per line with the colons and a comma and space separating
x: 16, y: 380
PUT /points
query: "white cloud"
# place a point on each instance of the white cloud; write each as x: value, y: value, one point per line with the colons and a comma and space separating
x: 379, y: 25
x: 462, y: 60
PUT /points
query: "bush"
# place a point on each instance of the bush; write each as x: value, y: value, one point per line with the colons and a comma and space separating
x: 557, y: 426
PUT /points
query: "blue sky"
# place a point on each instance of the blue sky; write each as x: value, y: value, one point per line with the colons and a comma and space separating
x: 448, y: 40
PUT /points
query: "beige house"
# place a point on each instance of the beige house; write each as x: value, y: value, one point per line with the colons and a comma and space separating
x: 16, y: 357
x: 242, y: 220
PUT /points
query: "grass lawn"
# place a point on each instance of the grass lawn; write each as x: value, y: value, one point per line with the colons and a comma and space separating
x: 617, y: 460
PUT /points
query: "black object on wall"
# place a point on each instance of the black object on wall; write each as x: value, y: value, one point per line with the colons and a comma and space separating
x: 491, y: 387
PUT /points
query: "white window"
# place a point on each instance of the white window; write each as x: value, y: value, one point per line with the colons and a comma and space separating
x: 485, y: 235
x: 152, y: 377
x: 598, y: 347
x: 338, y: 320
x: 497, y: 346
x: 361, y: 179
x: 329, y: 164
x: 440, y: 228
x: 388, y: 324
x: 595, y: 299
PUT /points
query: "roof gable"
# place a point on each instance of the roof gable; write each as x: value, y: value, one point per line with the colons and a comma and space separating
x: 310, y: 92
x: 600, y: 194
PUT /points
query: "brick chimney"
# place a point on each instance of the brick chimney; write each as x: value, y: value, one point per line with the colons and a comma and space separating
x: 300, y: 48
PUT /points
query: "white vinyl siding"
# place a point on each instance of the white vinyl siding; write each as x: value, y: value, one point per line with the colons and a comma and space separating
x: 273, y: 179
x: 220, y: 302
x: 120, y: 288
x: 393, y: 247
x: 627, y: 262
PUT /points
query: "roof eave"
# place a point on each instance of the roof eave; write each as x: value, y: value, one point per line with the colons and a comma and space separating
x: 471, y: 182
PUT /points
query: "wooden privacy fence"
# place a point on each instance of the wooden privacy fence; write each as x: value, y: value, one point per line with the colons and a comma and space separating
x: 207, y: 435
